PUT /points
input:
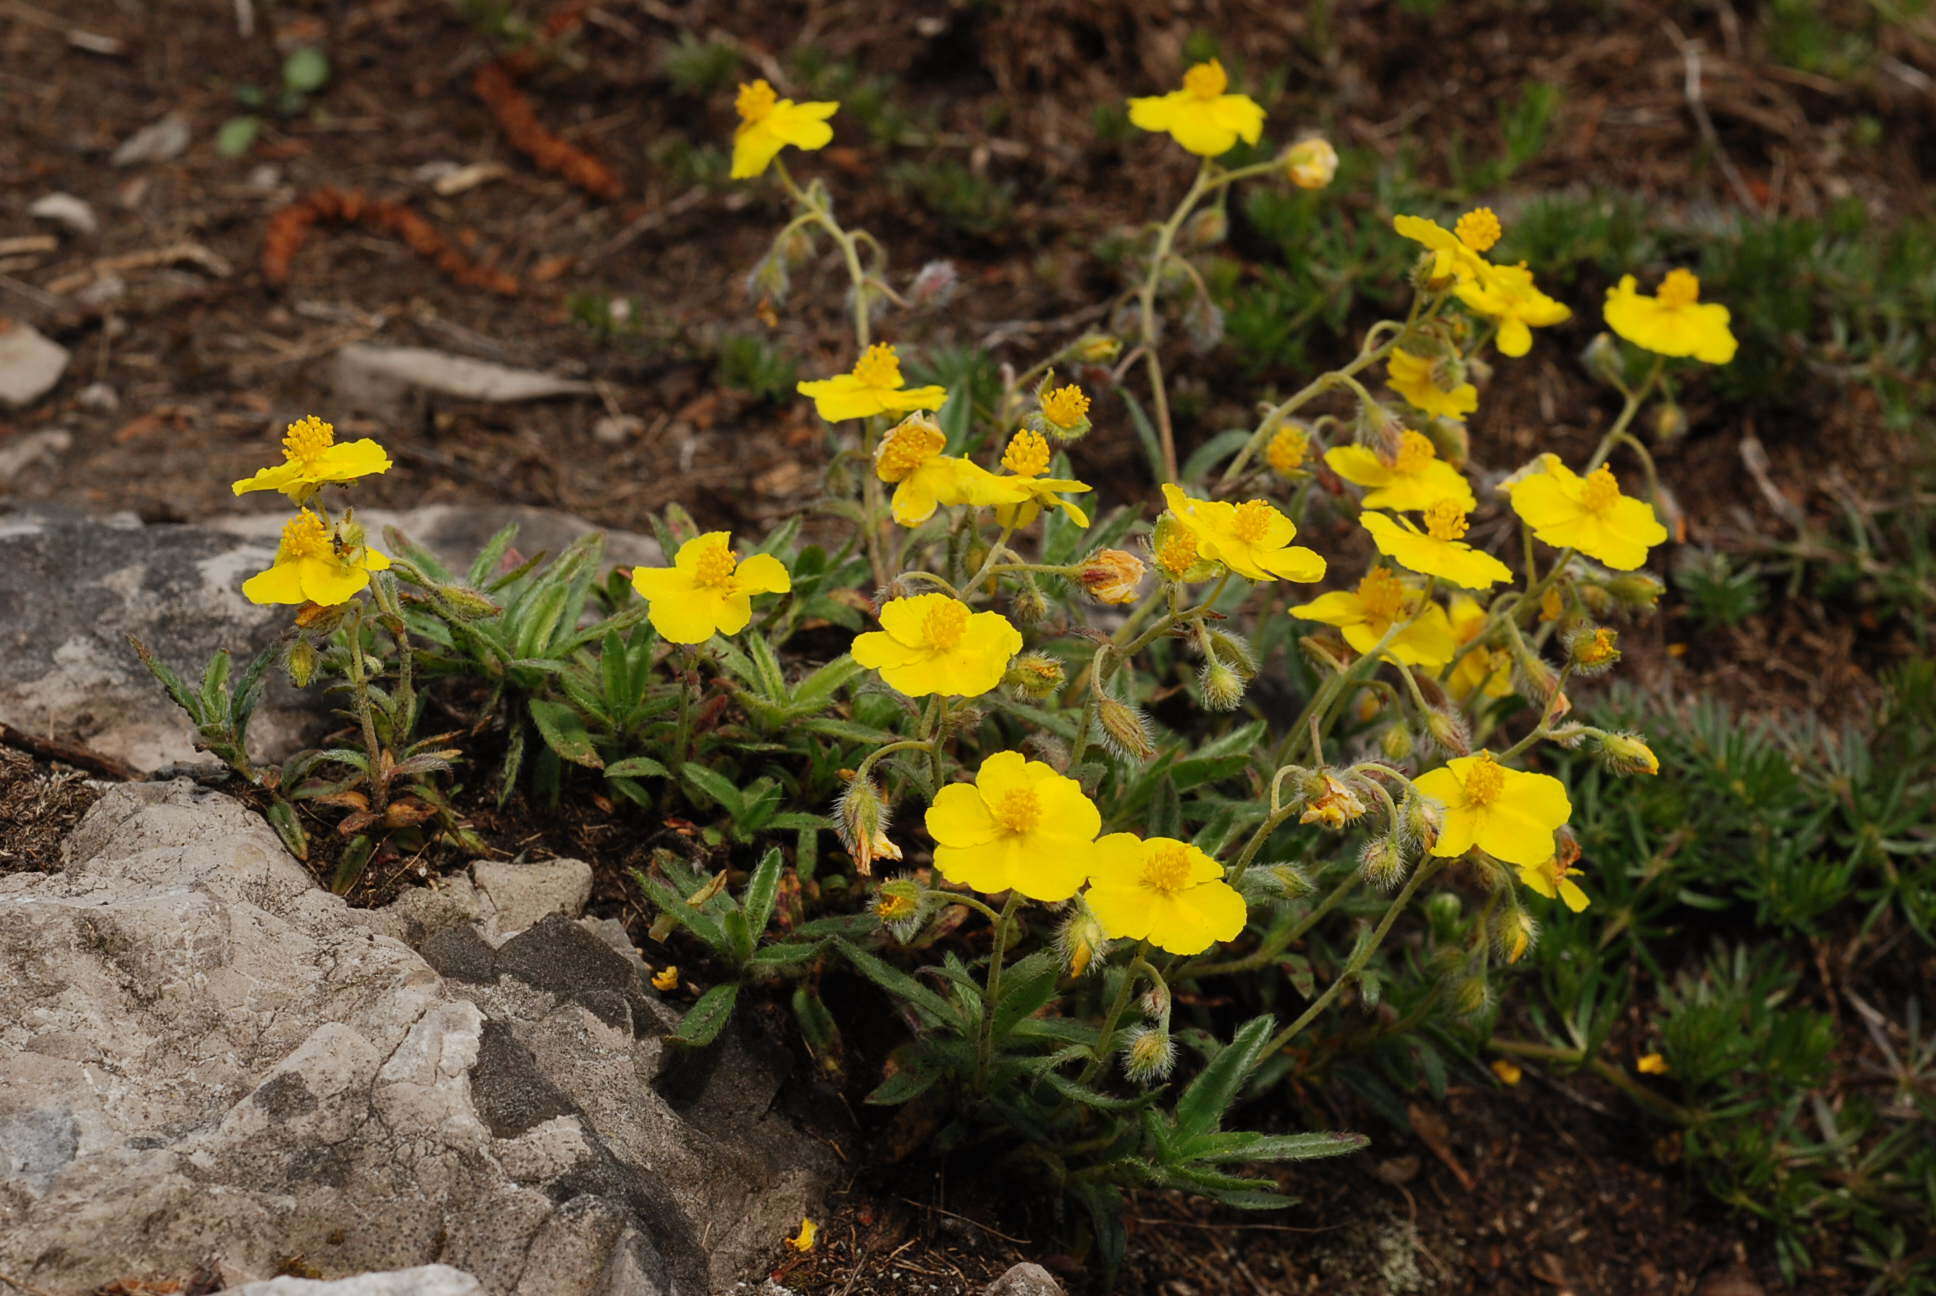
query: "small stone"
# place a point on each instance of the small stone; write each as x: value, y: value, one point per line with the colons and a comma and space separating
x: 617, y: 429
x: 523, y: 894
x: 67, y: 211
x: 376, y: 376
x: 425, y: 1280
x: 30, y: 364
x: 1025, y: 1280
x: 158, y: 141
x: 265, y: 178
x: 102, y: 291
x: 99, y: 397
x: 22, y: 453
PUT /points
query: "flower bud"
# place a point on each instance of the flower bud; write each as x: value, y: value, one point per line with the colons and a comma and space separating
x: 1155, y: 1002
x: 1234, y: 651
x: 860, y: 820
x: 1027, y: 607
x: 1035, y: 675
x: 1204, y: 321
x: 933, y: 285
x: 1513, y: 933
x: 768, y: 280
x: 1669, y: 422
x: 465, y: 603
x: 1636, y: 590
x: 1602, y: 359
x: 1148, y: 1054
x: 1095, y: 348
x: 301, y: 661
x: 1334, y: 804
x: 1448, y: 730
x: 899, y: 907
x: 1382, y: 863
x: 1420, y: 820
x: 1450, y: 438
x: 1125, y: 730
x: 1080, y: 940
x: 1222, y: 687
x: 1112, y: 576
x: 1206, y: 229
x: 1471, y: 995
x: 1397, y: 742
x: 1591, y: 650
x: 1311, y: 163
x: 1266, y: 882
x: 1063, y: 412
x: 1626, y: 753
x: 1424, y: 275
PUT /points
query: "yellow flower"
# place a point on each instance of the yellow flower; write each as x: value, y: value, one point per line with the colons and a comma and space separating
x: 1164, y: 890
x: 1311, y: 163
x: 1673, y: 322
x: 666, y: 980
x: 768, y: 123
x: 1507, y: 294
x: 1652, y: 1064
x: 1483, y: 670
x: 1456, y: 253
x: 707, y: 589
x: 1507, y: 1070
x: 803, y: 1240
x: 935, y: 644
x: 909, y: 458
x: 1411, y: 376
x: 1067, y: 410
x: 1587, y: 513
x: 1027, y: 491
x: 1200, y: 116
x: 315, y: 564
x: 1112, y: 576
x: 874, y: 387
x: 1289, y: 446
x: 1553, y: 878
x: 1505, y: 812
x: 1367, y: 613
x: 1174, y: 547
x: 1437, y: 550
x: 1627, y: 753
x: 1019, y: 826
x: 312, y: 458
x: 1253, y: 539
x: 1414, y: 478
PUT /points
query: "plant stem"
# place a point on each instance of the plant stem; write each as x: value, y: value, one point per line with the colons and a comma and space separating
x: 1613, y: 1075
x: 985, y: 1037
x: 1106, y: 1040
x: 1146, y: 316
x: 360, y: 692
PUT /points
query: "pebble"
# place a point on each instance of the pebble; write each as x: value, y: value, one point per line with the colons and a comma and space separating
x: 67, y: 211
x: 158, y: 141
x: 99, y: 397
x: 617, y: 429
x: 30, y: 364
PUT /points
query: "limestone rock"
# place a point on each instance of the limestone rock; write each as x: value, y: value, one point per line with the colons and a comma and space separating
x: 1025, y: 1280
x: 74, y: 589
x: 30, y: 364
x: 202, y: 1055
x: 426, y: 1280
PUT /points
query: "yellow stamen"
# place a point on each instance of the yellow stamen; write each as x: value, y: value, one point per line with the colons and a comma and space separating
x: 1253, y: 521
x: 715, y: 567
x: 755, y: 101
x: 892, y: 906
x: 1065, y: 407
x: 1288, y: 447
x: 906, y: 447
x: 305, y: 536
x: 1483, y: 782
x: 1600, y: 491
x: 1478, y: 229
x: 1599, y: 650
x: 1445, y: 520
x: 1027, y: 454
x: 1020, y: 810
x: 1206, y: 80
x: 1415, y: 450
x: 1679, y: 288
x: 307, y: 439
x: 879, y: 367
x: 944, y: 625
x: 1178, y: 552
x: 1382, y: 595
x: 1166, y: 869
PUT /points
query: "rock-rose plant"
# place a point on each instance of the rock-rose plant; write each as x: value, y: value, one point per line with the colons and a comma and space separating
x: 1129, y: 792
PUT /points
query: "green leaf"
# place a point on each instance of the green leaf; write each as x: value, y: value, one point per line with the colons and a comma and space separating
x: 817, y: 690
x: 565, y: 733
x: 282, y: 817
x: 1026, y: 987
x: 673, y: 905
x: 1205, y: 456
x: 905, y: 1085
x: 762, y: 889
x: 1088, y: 1097
x: 215, y: 687
x: 236, y: 135
x: 706, y: 1018
x: 167, y: 678
x: 784, y: 954
x: 1146, y: 433
x: 1242, y: 1145
x: 799, y: 820
x: 1209, y: 1096
x: 931, y: 1006
x: 306, y: 70
x: 637, y: 767
x: 717, y: 786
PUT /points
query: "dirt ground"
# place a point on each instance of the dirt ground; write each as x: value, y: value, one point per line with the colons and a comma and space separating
x: 188, y: 357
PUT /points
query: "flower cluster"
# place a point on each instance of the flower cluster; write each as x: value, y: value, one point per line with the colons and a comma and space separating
x: 320, y: 559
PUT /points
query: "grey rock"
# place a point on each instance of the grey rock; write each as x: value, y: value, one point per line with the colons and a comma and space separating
x: 22, y: 453
x: 30, y: 364
x: 73, y: 590
x: 67, y: 211
x: 520, y: 895
x: 268, y: 1075
x: 425, y: 1280
x: 1025, y: 1280
x: 158, y: 141
x: 385, y: 378
x: 99, y: 397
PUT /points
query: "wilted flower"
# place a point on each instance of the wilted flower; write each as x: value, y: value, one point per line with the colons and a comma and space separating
x: 1112, y: 576
x: 1311, y: 162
